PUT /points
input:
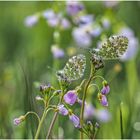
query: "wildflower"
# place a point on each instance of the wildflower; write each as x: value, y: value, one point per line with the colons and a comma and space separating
x: 96, y: 31
x: 103, y: 115
x: 70, y: 97
x: 75, y: 120
x: 31, y: 20
x: 106, y: 88
x: 89, y: 111
x: 65, y: 24
x: 82, y: 36
x: 62, y: 110
x: 74, y: 7
x: 103, y: 99
x: 17, y: 121
x: 106, y: 23
x: 57, y: 52
x: 45, y: 88
x: 84, y: 20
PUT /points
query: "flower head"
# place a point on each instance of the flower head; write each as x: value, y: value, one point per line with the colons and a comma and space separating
x: 70, y: 97
x: 105, y: 89
x: 74, y: 7
x: 17, y: 121
x: 75, y: 120
x: 31, y: 20
x: 62, y: 110
x: 103, y: 99
x: 57, y: 52
x: 89, y: 111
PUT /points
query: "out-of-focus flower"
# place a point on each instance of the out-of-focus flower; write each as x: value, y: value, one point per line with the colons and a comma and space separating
x: 132, y: 45
x: 70, y: 97
x: 62, y: 110
x: 57, y: 52
x: 74, y: 7
x: 56, y: 19
x: 31, y: 20
x: 84, y: 20
x: 65, y: 24
x: 89, y: 111
x: 96, y: 31
x: 79, y: 101
x: 106, y: 23
x: 103, y: 115
x: 45, y: 88
x: 111, y: 4
x: 17, y: 121
x: 75, y: 120
x: 103, y: 99
x: 82, y: 37
x: 105, y: 90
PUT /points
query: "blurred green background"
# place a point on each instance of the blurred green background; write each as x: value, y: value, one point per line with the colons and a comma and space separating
x: 25, y: 55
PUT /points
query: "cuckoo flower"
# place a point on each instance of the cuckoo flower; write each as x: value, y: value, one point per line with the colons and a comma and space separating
x: 105, y: 90
x: 75, y: 120
x: 31, y: 20
x: 103, y: 99
x: 70, y: 97
x: 17, y: 121
x: 62, y: 110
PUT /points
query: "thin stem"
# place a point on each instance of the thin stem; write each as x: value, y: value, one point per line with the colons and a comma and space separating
x: 95, y: 86
x: 41, y: 122
x: 84, y: 98
x: 121, y: 122
x: 34, y: 113
x: 98, y: 76
x: 54, y: 118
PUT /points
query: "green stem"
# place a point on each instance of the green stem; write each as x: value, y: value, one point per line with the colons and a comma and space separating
x: 121, y: 122
x: 41, y: 122
x: 84, y: 98
x: 54, y: 118
x: 31, y: 112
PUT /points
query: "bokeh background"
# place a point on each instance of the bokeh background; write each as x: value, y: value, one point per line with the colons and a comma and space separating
x: 27, y: 59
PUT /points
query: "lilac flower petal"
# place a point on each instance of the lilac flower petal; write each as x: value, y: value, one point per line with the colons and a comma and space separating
x: 70, y: 97
x: 104, y: 101
x: 105, y: 90
x: 74, y: 7
x: 62, y: 110
x: 31, y: 20
x: 65, y: 24
x: 89, y: 111
x: 103, y: 115
x: 82, y: 37
x: 17, y: 121
x: 57, y: 52
x: 75, y: 120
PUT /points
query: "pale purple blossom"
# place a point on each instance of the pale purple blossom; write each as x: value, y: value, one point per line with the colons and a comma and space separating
x: 96, y: 31
x: 103, y: 115
x: 17, y: 121
x: 103, y: 100
x: 74, y: 7
x: 57, y: 52
x: 82, y: 37
x: 62, y: 110
x: 105, y: 90
x: 75, y: 120
x: 84, y: 20
x: 89, y: 111
x: 65, y: 24
x: 106, y: 23
x: 70, y: 97
x: 31, y: 20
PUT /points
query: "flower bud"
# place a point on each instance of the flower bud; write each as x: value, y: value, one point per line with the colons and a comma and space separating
x: 17, y: 121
